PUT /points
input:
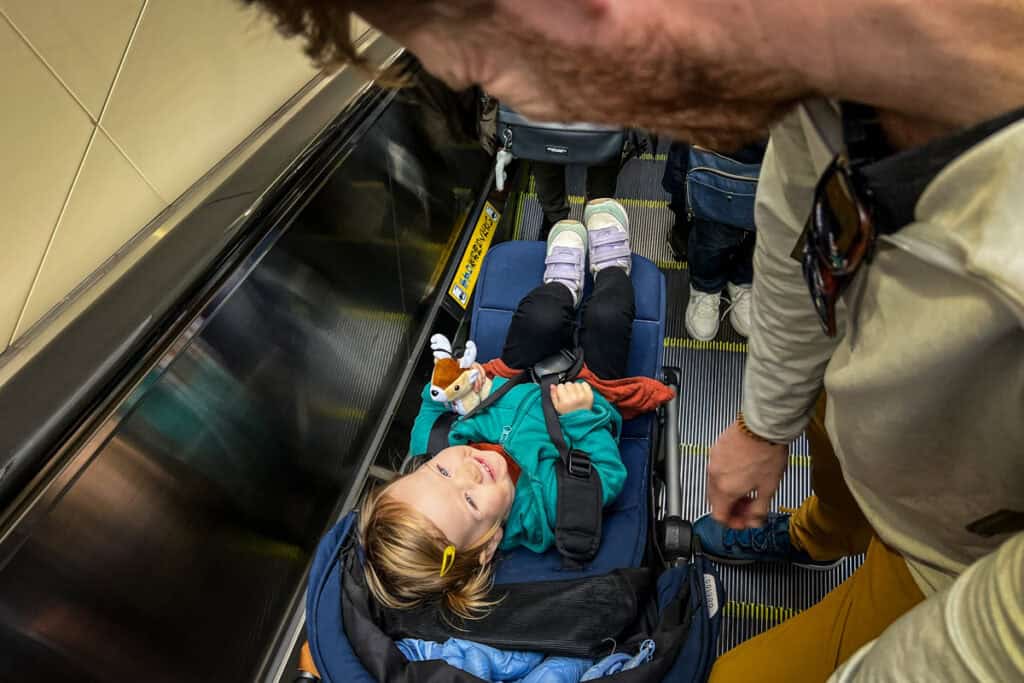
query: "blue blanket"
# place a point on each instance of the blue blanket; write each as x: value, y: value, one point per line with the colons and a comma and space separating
x: 491, y: 664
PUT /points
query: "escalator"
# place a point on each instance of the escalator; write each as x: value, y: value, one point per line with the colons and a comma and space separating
x: 162, y: 531
x: 169, y: 462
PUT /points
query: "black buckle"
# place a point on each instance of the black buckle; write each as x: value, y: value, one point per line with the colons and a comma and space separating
x: 564, y: 365
x: 578, y: 465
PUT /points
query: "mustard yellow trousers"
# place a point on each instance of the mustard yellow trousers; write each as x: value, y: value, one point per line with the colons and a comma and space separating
x: 828, y: 525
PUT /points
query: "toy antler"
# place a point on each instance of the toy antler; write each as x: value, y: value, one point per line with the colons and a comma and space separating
x: 441, y: 347
x: 469, y: 356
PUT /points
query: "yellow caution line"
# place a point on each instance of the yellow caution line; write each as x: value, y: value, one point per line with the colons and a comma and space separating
x: 372, y: 314
x: 340, y: 412
x: 697, y: 345
x: 625, y: 201
x: 268, y: 547
x: 672, y: 265
x: 519, y: 217
x: 653, y: 157
x: 701, y: 450
x: 772, y: 614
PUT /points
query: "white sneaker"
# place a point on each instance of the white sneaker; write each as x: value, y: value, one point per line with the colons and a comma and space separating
x: 566, y: 257
x: 702, y: 315
x: 739, y: 308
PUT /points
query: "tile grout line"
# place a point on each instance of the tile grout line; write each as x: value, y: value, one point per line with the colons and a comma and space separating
x: 110, y: 96
x: 81, y: 163
x: 49, y: 67
x: 53, y: 237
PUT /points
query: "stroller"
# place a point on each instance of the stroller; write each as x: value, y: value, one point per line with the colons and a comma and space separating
x: 645, y: 560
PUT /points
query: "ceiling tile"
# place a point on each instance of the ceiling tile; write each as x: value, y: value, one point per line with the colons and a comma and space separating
x: 109, y: 204
x: 200, y: 76
x: 43, y: 135
x: 83, y: 40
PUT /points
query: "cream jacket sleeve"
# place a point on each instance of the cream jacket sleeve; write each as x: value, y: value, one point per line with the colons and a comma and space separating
x: 972, y: 631
x: 788, y: 350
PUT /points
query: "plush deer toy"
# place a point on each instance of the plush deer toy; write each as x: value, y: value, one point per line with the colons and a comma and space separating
x: 454, y: 380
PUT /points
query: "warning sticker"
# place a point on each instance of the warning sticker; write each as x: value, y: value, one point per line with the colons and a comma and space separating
x: 469, y: 267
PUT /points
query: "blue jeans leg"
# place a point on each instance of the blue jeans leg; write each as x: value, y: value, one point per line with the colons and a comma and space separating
x: 719, y: 254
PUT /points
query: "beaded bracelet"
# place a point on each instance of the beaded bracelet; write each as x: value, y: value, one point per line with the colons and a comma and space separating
x: 742, y: 424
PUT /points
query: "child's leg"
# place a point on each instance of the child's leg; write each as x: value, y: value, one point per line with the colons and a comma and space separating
x: 545, y: 319
x: 541, y: 326
x: 607, y: 324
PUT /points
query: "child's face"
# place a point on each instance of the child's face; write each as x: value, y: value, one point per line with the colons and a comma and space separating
x: 464, y: 491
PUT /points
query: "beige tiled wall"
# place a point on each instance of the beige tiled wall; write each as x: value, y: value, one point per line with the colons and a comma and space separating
x: 112, y: 109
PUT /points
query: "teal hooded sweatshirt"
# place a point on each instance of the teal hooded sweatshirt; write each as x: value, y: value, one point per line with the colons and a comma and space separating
x: 516, y: 422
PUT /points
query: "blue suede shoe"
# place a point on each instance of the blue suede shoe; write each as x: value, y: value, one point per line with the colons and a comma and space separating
x: 769, y: 543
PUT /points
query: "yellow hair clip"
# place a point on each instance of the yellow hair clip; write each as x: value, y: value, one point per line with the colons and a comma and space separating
x: 448, y: 560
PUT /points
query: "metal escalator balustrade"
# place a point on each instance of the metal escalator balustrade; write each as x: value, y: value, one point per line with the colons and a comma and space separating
x: 173, y: 541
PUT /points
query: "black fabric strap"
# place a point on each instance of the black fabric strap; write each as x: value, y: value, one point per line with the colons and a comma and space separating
x: 578, y: 507
x: 551, y: 416
x: 438, y: 440
x: 897, y: 181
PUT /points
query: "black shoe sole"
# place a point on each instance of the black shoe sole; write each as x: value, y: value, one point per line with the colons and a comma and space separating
x: 742, y: 563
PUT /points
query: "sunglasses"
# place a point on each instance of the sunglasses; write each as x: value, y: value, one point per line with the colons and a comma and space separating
x: 838, y: 238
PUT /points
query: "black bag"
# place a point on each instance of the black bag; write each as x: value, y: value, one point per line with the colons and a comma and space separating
x: 561, y: 143
x: 680, y: 611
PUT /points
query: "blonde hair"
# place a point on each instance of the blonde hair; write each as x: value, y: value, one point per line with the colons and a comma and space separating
x: 403, y: 552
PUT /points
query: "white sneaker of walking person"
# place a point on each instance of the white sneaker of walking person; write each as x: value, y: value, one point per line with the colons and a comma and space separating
x: 702, y: 314
x: 739, y: 308
x: 566, y: 257
x: 608, y: 234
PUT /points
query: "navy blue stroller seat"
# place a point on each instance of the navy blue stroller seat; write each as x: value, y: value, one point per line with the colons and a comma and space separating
x: 510, y: 271
x: 686, y: 596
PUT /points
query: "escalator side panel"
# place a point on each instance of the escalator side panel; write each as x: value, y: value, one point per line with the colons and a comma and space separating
x: 174, y: 554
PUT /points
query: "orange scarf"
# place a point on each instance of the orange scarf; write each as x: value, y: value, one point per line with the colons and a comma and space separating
x: 632, y: 396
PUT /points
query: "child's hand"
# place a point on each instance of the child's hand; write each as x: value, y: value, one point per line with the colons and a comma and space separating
x: 572, y: 396
x: 481, y: 377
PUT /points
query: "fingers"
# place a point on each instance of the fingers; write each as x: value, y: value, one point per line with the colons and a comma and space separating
x: 756, y: 512
x: 556, y: 399
x: 728, y: 506
x: 743, y: 476
x: 571, y: 396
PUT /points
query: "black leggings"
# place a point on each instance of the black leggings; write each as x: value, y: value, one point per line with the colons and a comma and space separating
x: 545, y: 320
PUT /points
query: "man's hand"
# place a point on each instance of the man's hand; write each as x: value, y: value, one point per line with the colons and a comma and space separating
x: 572, y: 396
x: 740, y: 466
